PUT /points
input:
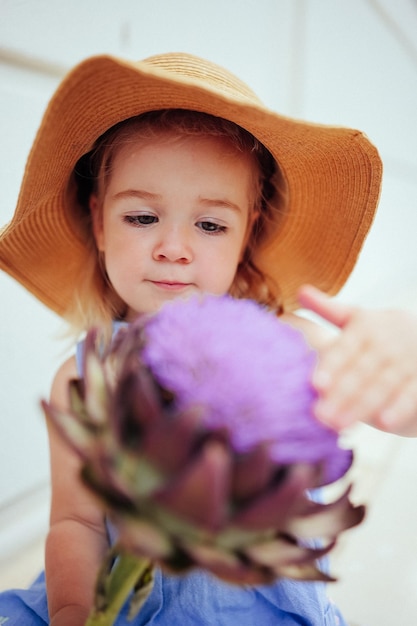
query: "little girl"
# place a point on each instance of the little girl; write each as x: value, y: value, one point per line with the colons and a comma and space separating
x: 165, y: 178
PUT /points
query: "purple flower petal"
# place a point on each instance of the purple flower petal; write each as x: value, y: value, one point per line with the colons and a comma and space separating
x: 249, y: 372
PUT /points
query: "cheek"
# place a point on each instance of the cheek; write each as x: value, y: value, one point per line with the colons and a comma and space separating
x: 220, y: 271
x: 118, y: 254
x: 122, y: 255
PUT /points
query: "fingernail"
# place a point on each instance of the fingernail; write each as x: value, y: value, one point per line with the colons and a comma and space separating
x: 321, y: 379
x: 324, y: 411
x: 345, y: 419
x: 327, y: 413
x: 387, y: 417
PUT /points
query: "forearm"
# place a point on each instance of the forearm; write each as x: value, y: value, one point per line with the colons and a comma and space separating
x: 73, y: 556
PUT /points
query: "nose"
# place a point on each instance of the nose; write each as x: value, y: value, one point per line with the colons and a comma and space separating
x: 173, y: 245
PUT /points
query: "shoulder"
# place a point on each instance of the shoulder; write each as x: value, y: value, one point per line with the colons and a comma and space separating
x: 66, y: 372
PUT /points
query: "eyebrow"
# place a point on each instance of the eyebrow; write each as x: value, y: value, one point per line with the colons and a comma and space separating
x: 147, y: 195
x: 220, y: 202
x: 137, y: 193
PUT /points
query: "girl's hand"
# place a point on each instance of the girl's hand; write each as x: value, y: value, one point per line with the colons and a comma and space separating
x: 368, y: 372
x: 71, y: 615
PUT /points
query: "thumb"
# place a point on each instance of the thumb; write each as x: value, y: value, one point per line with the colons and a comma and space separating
x: 323, y: 305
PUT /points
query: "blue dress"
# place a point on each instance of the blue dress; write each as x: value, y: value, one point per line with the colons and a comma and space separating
x: 196, y: 599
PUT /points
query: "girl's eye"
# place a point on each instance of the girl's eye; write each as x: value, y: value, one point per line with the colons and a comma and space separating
x: 141, y: 220
x: 211, y: 227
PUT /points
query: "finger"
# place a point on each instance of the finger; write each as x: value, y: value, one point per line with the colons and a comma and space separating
x: 362, y: 340
x: 399, y: 415
x: 355, y: 393
x: 338, y: 357
x: 323, y: 305
x: 385, y: 398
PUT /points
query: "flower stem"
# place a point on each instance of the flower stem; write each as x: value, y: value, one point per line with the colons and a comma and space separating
x: 124, y: 576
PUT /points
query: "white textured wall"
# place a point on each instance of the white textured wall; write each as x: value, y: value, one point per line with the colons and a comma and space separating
x: 349, y: 63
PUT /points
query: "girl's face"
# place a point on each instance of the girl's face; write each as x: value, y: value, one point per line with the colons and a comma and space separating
x: 174, y: 219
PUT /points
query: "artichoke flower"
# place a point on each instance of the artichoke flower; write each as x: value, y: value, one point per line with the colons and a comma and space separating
x: 196, y: 433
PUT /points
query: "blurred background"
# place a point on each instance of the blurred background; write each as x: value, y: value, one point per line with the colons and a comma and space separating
x: 330, y: 61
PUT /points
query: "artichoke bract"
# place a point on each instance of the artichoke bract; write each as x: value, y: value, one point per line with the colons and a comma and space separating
x: 196, y: 432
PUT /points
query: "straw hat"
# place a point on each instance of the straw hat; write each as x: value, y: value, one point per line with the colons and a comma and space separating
x: 332, y: 174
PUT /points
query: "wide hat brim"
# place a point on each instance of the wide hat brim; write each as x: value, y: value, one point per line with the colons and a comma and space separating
x: 332, y: 174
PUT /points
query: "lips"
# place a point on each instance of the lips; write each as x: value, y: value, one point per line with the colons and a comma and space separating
x: 170, y: 285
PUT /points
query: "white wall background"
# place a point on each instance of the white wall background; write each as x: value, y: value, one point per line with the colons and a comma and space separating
x: 352, y: 63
